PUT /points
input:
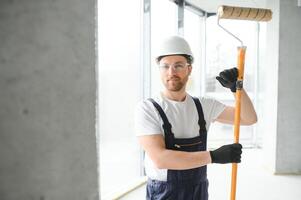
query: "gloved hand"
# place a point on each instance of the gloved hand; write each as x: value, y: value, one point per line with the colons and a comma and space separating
x: 230, y: 153
x: 228, y: 78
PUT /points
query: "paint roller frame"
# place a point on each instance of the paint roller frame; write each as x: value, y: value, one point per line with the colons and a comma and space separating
x: 240, y: 13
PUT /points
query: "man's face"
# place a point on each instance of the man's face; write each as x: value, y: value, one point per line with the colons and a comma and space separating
x: 174, y: 72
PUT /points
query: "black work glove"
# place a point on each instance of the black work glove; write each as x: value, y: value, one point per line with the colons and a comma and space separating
x: 228, y: 78
x: 230, y: 153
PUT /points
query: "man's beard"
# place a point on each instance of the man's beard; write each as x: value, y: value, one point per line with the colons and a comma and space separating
x: 175, y: 83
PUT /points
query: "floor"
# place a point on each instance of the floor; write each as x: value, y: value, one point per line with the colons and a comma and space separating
x: 254, y: 181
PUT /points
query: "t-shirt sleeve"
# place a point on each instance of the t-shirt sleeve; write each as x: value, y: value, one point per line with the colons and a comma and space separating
x: 147, y: 121
x: 212, y: 108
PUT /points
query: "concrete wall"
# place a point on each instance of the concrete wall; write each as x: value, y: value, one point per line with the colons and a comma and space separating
x: 47, y: 100
x: 289, y: 95
x: 282, y: 95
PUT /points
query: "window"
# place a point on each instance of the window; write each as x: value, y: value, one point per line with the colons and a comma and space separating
x: 119, y: 77
x: 221, y: 53
x: 163, y: 24
x: 194, y: 33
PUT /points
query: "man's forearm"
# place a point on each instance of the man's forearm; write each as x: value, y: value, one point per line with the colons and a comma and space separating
x: 180, y: 160
x: 248, y: 114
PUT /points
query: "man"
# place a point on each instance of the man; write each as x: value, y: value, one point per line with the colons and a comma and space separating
x: 172, y: 128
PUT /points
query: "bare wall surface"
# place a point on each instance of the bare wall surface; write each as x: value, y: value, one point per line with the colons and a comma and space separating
x: 47, y: 100
x: 269, y: 88
x: 289, y: 96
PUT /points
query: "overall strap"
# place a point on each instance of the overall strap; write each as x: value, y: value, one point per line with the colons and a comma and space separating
x: 202, y: 122
x: 166, y: 125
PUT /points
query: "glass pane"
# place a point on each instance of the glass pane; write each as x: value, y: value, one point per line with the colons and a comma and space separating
x: 262, y: 72
x: 118, y: 80
x: 221, y: 53
x: 193, y: 33
x: 163, y: 24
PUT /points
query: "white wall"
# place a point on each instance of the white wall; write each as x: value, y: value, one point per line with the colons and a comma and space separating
x: 268, y: 91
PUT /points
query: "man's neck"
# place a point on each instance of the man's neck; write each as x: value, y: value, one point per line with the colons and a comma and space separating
x: 175, y: 96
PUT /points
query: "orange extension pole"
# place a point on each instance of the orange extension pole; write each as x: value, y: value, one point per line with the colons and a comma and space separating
x: 239, y: 86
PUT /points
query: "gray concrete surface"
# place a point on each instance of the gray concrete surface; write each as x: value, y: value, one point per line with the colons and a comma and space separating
x: 47, y: 100
x: 281, y: 92
x: 289, y: 96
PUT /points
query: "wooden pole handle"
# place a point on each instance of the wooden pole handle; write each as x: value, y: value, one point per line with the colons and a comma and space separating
x: 239, y: 86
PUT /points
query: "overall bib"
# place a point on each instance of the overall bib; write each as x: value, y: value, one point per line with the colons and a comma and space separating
x: 191, y: 184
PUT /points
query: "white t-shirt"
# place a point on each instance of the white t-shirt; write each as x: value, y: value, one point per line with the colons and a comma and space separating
x: 183, y: 117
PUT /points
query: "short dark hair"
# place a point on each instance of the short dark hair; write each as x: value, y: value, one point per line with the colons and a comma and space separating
x: 188, y: 57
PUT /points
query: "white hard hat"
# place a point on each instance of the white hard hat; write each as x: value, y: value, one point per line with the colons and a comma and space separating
x: 173, y: 45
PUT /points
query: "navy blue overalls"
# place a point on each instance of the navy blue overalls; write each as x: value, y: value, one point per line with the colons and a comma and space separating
x: 191, y: 184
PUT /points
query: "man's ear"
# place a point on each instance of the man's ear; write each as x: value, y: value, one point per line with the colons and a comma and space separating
x: 189, y: 69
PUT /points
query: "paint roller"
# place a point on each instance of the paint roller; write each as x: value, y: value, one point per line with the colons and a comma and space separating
x: 240, y: 13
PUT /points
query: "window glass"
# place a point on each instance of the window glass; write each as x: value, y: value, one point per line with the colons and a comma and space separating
x: 163, y: 24
x: 194, y: 34
x: 119, y: 55
x: 262, y: 73
x: 221, y: 53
